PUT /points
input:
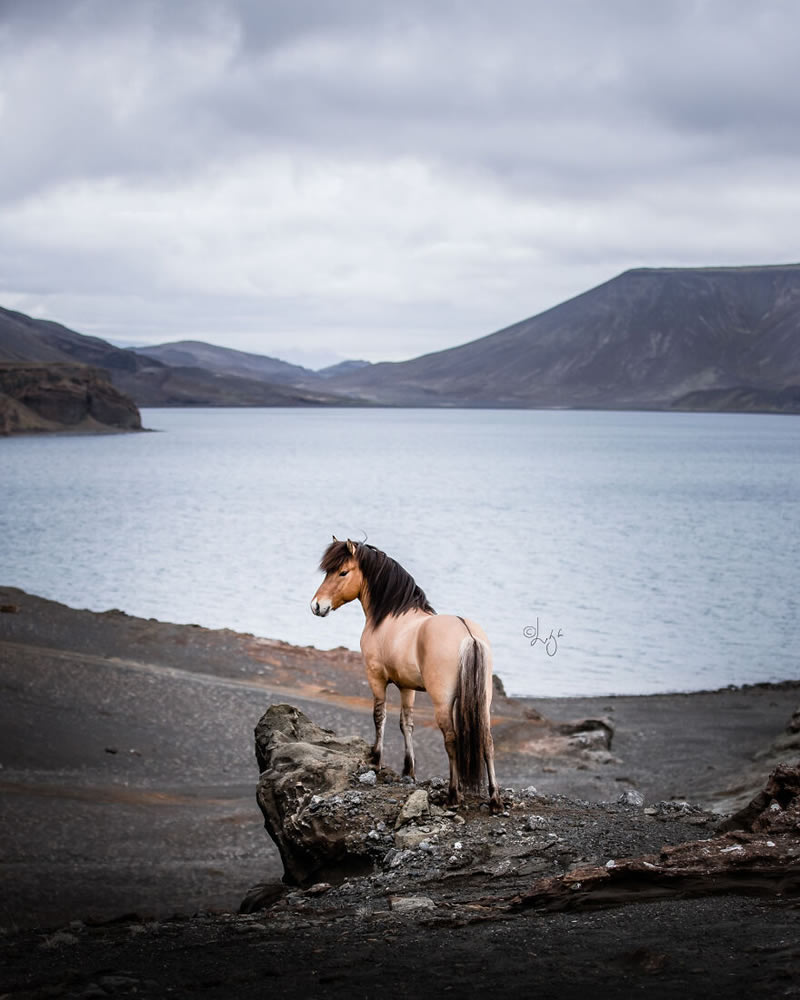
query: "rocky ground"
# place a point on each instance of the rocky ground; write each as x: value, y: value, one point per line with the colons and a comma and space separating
x: 130, y: 832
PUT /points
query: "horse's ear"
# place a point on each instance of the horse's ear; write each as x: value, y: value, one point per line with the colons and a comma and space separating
x: 351, y: 547
x: 334, y: 538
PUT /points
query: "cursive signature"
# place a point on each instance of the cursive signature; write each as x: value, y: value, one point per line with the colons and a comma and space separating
x: 550, y: 643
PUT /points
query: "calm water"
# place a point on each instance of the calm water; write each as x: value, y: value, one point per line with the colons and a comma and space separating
x: 663, y: 546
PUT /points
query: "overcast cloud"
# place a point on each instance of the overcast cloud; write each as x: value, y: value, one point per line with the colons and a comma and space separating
x: 317, y: 180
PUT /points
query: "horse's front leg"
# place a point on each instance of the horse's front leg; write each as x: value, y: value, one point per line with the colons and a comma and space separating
x: 407, y: 727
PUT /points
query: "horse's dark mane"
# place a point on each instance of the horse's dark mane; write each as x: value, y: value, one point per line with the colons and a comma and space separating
x: 392, y: 589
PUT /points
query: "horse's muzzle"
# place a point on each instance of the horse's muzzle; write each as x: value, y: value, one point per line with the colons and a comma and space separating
x: 320, y: 609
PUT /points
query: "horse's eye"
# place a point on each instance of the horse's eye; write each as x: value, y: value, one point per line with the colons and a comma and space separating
x: 344, y: 572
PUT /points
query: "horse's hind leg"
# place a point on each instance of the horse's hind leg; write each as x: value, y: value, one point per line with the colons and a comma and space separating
x: 379, y: 717
x: 495, y: 805
x: 407, y: 727
x: 444, y: 720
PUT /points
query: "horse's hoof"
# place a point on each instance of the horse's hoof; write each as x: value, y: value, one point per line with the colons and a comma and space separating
x: 495, y: 807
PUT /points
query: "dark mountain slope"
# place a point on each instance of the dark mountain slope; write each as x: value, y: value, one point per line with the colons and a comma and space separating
x: 343, y: 368
x: 169, y: 385
x: 23, y: 338
x: 147, y: 380
x: 225, y: 360
x: 644, y: 339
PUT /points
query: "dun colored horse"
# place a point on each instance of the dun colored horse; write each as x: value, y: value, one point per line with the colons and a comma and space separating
x: 406, y: 643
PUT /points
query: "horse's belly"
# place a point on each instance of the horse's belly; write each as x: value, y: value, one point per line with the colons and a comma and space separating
x: 407, y: 676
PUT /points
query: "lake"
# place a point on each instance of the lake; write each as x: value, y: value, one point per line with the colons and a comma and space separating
x: 643, y: 552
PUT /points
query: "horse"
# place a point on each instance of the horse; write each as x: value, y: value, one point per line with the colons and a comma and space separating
x: 406, y: 643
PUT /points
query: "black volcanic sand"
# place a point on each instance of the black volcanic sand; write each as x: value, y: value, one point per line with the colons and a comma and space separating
x: 129, y: 831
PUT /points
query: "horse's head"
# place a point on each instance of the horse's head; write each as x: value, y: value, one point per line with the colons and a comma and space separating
x: 343, y: 577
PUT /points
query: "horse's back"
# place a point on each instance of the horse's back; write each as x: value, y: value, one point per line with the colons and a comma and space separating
x: 439, y: 633
x: 439, y: 642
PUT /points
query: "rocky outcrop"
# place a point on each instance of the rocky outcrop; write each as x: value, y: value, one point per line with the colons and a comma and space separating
x: 783, y: 750
x: 757, y: 852
x: 62, y: 397
x: 333, y: 816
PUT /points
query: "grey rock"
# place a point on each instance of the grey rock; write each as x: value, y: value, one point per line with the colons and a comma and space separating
x: 302, y: 764
x: 415, y: 807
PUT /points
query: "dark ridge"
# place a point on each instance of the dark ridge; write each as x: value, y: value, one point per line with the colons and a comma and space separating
x: 392, y: 589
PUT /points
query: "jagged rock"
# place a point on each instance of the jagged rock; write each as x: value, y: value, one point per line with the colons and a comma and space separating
x: 498, y: 688
x: 789, y: 740
x: 757, y: 851
x: 303, y: 767
x: 592, y: 733
x: 585, y: 740
x: 742, y: 863
x: 630, y: 797
x: 416, y: 806
x: 776, y: 809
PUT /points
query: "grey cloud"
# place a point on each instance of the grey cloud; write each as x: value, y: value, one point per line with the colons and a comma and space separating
x: 604, y: 122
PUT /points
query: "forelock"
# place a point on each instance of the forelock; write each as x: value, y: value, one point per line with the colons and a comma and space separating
x: 334, y: 557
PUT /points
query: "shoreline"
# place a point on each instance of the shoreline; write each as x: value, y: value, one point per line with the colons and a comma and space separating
x: 326, y: 651
x: 114, y: 726
x: 131, y: 834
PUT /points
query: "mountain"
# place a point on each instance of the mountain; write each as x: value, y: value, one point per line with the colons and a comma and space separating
x: 23, y: 338
x: 342, y: 368
x: 149, y: 381
x: 168, y: 385
x: 225, y: 360
x: 724, y: 338
x: 649, y: 338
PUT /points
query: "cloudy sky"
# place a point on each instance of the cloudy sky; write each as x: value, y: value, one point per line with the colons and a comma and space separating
x: 336, y: 178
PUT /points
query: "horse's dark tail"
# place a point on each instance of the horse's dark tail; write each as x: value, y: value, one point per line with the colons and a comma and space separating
x: 471, y: 711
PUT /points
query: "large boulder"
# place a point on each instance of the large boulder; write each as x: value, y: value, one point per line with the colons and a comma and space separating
x: 331, y: 815
x: 304, y: 772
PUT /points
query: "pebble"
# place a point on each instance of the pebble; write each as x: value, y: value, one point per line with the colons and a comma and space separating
x: 368, y: 778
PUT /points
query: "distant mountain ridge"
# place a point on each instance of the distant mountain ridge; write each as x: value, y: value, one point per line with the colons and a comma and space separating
x: 149, y: 381
x: 226, y: 360
x: 343, y: 368
x: 649, y: 338
x: 712, y: 338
